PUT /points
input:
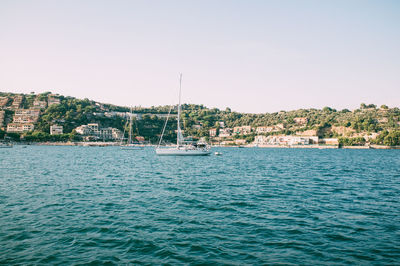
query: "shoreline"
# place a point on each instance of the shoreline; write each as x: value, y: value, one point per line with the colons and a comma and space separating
x: 312, y: 146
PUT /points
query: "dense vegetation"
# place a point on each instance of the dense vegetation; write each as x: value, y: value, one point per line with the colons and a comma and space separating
x: 198, y: 119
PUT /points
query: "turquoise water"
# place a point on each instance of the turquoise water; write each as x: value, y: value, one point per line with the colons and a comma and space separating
x: 81, y: 205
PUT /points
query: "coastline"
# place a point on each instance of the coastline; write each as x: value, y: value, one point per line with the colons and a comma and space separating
x: 312, y: 146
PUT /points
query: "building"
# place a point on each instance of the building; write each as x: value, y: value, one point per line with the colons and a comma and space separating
x: 116, y: 133
x: 17, y: 102
x: 94, y: 128
x: 285, y: 140
x: 213, y: 132
x: 279, y: 127
x: 30, y: 112
x: 221, y: 124
x: 260, y: 140
x: 263, y: 130
x: 300, y: 120
x: 106, y: 133
x: 240, y: 141
x: 26, y: 115
x: 3, y: 101
x: 330, y: 141
x: 52, y: 99
x: 2, y: 118
x: 225, y: 132
x: 243, y: 130
x: 56, y: 130
x: 39, y: 104
x: 92, y: 131
x: 83, y: 130
x: 19, y: 128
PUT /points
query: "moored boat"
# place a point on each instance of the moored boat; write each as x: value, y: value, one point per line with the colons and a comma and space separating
x: 181, y: 148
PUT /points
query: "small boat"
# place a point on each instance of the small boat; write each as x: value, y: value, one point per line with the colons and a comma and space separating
x: 217, y: 153
x: 5, y: 145
x: 182, y: 148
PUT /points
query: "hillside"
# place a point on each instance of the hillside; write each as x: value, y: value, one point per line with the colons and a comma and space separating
x: 349, y: 126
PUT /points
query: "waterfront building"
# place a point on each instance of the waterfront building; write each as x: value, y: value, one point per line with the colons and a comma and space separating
x: 116, y: 133
x: 83, y: 130
x: 285, y: 140
x: 56, y: 130
x: 92, y: 131
x: 106, y: 133
x: 240, y: 141
x: 330, y: 141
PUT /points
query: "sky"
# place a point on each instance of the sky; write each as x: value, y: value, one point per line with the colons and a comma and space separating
x: 252, y: 56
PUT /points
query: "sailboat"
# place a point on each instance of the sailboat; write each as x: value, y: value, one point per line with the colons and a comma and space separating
x: 130, y: 145
x: 182, y: 148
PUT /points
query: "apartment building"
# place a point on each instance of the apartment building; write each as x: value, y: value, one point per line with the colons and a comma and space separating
x: 19, y: 128
x: 243, y: 130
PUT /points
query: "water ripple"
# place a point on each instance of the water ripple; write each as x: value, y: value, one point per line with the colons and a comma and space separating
x: 89, y: 205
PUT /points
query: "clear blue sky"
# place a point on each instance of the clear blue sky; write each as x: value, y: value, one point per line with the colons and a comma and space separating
x: 252, y: 56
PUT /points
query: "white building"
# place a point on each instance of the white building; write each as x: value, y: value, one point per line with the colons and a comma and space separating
x: 83, y: 130
x: 116, y: 133
x: 93, y: 131
x: 285, y: 140
x: 213, y: 132
x: 106, y: 133
x: 225, y: 132
x: 56, y: 130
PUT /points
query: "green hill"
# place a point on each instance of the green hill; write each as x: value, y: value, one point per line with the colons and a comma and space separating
x: 198, y: 119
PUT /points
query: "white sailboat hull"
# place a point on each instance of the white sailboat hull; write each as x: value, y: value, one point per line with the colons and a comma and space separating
x: 174, y: 151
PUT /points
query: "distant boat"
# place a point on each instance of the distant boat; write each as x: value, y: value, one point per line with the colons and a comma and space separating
x: 5, y: 145
x: 181, y: 148
x: 130, y: 145
x: 217, y: 153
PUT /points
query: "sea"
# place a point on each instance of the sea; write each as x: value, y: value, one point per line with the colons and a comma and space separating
x: 64, y: 205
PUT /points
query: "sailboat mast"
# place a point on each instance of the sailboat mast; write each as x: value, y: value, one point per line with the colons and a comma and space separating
x: 130, y: 128
x: 178, y: 140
